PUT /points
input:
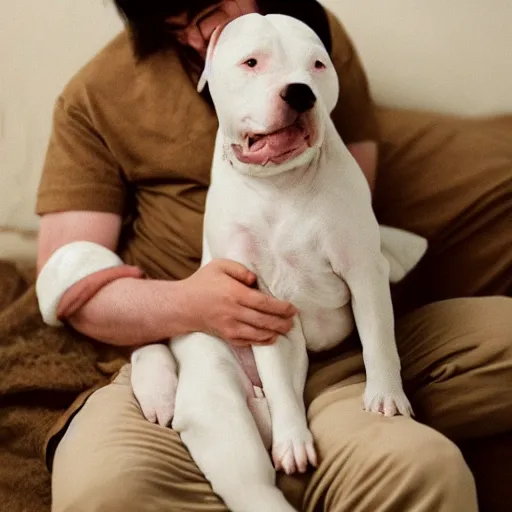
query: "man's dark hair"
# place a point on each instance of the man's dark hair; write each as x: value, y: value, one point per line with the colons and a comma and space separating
x: 146, y: 19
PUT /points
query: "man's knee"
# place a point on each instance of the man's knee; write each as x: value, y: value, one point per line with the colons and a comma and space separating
x: 422, y: 472
x: 435, y: 473
x: 112, y: 459
x: 451, y: 346
x: 124, y: 491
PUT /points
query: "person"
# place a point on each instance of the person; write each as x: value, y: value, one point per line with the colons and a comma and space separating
x: 128, y: 168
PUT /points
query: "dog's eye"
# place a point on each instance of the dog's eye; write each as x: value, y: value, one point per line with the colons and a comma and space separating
x: 251, y: 63
x: 319, y: 64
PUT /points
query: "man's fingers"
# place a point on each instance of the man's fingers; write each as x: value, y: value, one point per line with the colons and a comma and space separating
x: 248, y: 343
x: 249, y: 335
x: 264, y: 303
x: 248, y: 332
x: 237, y: 271
x: 273, y: 323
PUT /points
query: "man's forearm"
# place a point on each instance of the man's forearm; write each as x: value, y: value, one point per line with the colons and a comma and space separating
x: 366, y: 153
x: 131, y: 312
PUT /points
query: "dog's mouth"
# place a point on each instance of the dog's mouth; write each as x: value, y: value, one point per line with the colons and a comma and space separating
x: 278, y: 146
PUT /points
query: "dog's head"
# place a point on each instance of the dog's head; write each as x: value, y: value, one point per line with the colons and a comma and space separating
x: 272, y: 83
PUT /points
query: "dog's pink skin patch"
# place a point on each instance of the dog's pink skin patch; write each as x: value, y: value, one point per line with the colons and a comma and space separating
x: 292, y: 259
x: 246, y: 242
x: 256, y: 401
x: 246, y: 359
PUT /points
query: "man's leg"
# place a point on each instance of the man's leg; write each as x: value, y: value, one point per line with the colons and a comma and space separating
x: 111, y: 460
x: 457, y: 364
x: 468, y: 395
x: 373, y: 463
x: 457, y: 361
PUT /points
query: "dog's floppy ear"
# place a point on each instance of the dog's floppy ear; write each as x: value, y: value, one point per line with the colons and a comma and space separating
x: 205, y: 75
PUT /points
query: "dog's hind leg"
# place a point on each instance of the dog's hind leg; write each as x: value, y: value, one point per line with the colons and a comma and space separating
x: 283, y: 369
x: 215, y: 424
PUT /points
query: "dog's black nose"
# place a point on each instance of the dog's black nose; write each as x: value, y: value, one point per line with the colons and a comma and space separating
x: 299, y: 96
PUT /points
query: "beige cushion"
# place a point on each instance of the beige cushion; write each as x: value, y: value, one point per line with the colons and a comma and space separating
x: 449, y: 179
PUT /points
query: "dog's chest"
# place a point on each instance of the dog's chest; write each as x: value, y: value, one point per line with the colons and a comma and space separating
x: 285, y: 248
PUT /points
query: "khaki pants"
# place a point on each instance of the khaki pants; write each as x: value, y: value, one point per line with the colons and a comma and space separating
x: 457, y: 366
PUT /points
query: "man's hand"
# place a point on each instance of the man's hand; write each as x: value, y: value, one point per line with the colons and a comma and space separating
x: 218, y: 300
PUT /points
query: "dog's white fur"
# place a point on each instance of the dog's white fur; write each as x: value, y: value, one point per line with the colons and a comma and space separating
x: 306, y: 228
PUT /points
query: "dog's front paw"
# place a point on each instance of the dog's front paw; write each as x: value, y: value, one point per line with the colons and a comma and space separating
x: 294, y: 451
x: 154, y: 382
x: 387, y: 402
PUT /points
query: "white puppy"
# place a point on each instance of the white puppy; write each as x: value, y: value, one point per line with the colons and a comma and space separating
x: 288, y: 201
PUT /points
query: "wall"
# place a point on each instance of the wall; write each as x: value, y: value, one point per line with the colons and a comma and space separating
x: 447, y: 55
x: 42, y: 44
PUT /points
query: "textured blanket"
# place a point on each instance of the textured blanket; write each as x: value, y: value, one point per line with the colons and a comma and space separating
x: 42, y: 371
